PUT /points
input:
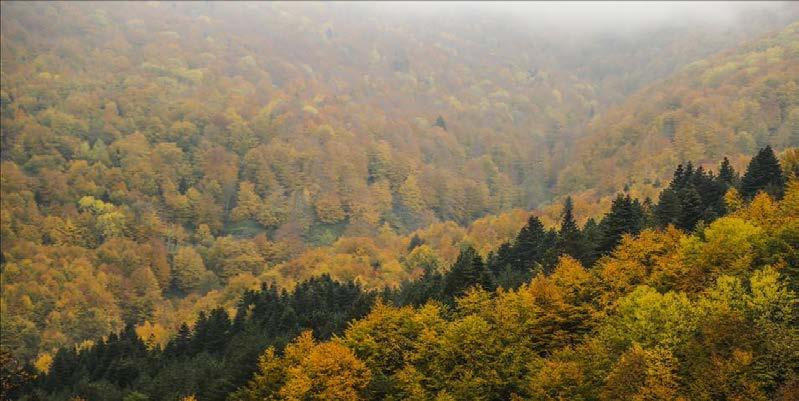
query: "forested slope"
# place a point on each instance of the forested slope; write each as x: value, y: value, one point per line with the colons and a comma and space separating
x: 728, y: 105
x: 664, y: 313
x: 159, y: 159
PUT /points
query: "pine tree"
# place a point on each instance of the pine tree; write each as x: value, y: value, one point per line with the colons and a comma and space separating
x: 626, y: 216
x: 763, y: 173
x: 62, y: 368
x: 570, y: 241
x: 727, y: 174
x: 440, y: 123
x: 533, y: 245
x: 691, y: 209
x: 687, y: 175
x: 198, y: 340
x: 677, y: 179
x: 700, y: 192
x: 127, y: 347
x: 591, y: 235
x: 218, y: 329
x: 415, y: 242
x: 501, y: 258
x: 179, y: 346
x: 649, y: 213
x: 468, y: 270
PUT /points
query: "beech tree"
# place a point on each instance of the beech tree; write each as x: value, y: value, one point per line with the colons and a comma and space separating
x: 188, y: 269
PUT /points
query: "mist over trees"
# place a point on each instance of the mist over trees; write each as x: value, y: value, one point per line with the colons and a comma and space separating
x: 387, y: 200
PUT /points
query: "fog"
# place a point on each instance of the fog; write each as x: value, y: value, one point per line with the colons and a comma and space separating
x: 589, y: 16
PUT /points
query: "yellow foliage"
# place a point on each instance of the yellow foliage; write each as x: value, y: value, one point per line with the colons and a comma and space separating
x: 727, y: 246
x: 643, y: 375
x: 154, y: 335
x: 547, y: 383
x: 733, y: 200
x: 789, y: 206
x: 488, y: 233
x: 762, y: 211
x: 423, y: 258
x: 411, y: 195
x: 385, y: 338
x: 569, y: 274
x: 650, y: 258
x: 43, y: 362
x: 329, y: 209
x: 308, y: 371
x: 249, y: 203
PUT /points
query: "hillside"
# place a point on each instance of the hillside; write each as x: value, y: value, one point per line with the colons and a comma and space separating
x: 161, y: 159
x: 727, y: 105
x: 338, y: 138
x: 702, y: 314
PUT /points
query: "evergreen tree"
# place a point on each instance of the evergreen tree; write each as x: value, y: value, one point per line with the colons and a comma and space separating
x: 179, y: 346
x: 501, y: 258
x: 591, y: 235
x: 626, y: 216
x: 440, y: 123
x: 468, y: 270
x: 415, y: 242
x: 219, y: 326
x: 727, y: 174
x: 691, y: 209
x: 417, y: 292
x: 200, y: 334
x: 649, y: 213
x: 693, y: 195
x: 677, y: 179
x: 534, y: 245
x: 125, y: 351
x: 667, y: 210
x: 500, y: 264
x: 570, y: 241
x: 687, y: 175
x: 62, y: 369
x: 214, y: 359
x: 763, y: 173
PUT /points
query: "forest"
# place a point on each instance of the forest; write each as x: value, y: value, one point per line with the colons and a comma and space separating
x: 335, y: 201
x: 687, y: 298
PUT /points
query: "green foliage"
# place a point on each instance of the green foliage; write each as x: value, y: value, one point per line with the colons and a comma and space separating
x: 694, y: 195
x: 469, y: 270
x: 763, y: 174
x: 570, y: 238
x: 650, y: 319
x: 626, y: 216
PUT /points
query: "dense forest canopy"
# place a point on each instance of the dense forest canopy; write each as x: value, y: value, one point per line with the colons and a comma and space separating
x: 337, y: 200
x: 709, y: 312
